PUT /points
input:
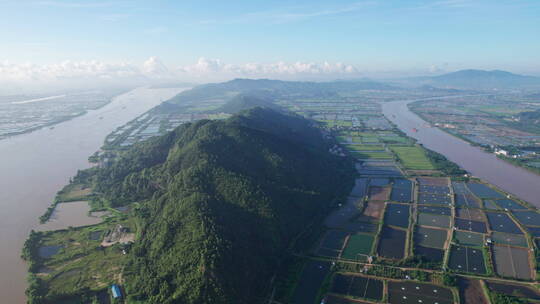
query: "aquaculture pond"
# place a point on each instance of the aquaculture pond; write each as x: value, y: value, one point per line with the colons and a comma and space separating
x: 397, y: 215
x: 528, y: 218
x: 432, y: 255
x: 467, y: 259
x: 434, y: 210
x: 509, y: 239
x: 469, y: 225
x: 428, y: 237
x: 512, y: 262
x: 358, y: 286
x: 414, y: 293
x: 434, y: 220
x: 469, y: 238
x: 392, y: 243
x: 358, y: 247
x: 431, y: 198
x: 502, y: 222
x: 471, y: 214
x: 483, y: 191
x: 464, y: 200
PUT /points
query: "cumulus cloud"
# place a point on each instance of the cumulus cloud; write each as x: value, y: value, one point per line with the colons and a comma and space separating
x: 79, y: 73
x: 207, y: 67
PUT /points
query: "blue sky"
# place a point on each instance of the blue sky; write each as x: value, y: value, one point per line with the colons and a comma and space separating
x: 375, y: 37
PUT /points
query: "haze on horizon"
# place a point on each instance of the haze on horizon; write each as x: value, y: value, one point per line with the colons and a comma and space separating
x: 71, y: 44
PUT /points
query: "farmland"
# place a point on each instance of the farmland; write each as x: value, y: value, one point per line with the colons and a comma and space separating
x: 406, y: 232
x: 408, y: 213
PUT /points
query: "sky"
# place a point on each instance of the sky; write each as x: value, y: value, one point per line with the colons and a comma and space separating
x: 199, y: 41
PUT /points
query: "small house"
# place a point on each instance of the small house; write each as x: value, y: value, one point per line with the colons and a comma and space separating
x: 116, y: 292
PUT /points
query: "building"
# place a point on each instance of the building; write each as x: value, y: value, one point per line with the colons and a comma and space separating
x: 116, y: 292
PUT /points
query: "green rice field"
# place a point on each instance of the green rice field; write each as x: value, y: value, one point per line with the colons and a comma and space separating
x: 413, y: 158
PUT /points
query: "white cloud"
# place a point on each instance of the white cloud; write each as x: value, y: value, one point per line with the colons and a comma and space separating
x: 92, y: 73
x: 207, y: 67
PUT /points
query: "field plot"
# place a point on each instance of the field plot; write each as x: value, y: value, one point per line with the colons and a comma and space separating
x: 413, y: 158
x: 311, y: 279
x: 460, y: 188
x: 509, y: 239
x: 433, y: 181
x: 412, y: 292
x: 467, y: 259
x: 358, y: 226
x: 358, y: 247
x: 440, y: 190
x: 360, y: 187
x: 469, y: 238
x: 401, y: 191
x: 469, y: 225
x: 379, y: 181
x: 430, y: 254
x: 332, y: 243
x: 502, y: 222
x: 490, y: 204
x: 379, y: 193
x: 342, y: 217
x: 402, y: 183
x: 374, y: 210
x: 361, y: 147
x: 392, y: 243
x: 379, y: 170
x: 483, y: 191
x: 512, y: 262
x: 372, y: 155
x: 467, y: 200
x: 528, y: 218
x: 397, y: 215
x: 427, y: 237
x: 434, y: 220
x: 358, y: 286
x: 435, y: 210
x: 471, y: 291
x: 471, y: 214
x: 509, y: 204
x: 516, y: 290
x: 429, y: 198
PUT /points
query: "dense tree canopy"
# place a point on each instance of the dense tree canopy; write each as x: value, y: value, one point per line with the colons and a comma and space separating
x: 221, y: 203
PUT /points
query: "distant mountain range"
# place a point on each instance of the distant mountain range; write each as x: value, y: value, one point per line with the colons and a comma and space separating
x: 479, y: 80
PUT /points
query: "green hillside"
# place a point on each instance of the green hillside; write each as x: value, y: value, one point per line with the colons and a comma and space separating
x: 222, y: 202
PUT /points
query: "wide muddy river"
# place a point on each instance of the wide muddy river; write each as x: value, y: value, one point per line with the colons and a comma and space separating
x: 515, y: 180
x: 34, y: 166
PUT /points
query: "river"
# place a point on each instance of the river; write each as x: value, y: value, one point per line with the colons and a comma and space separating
x: 34, y: 166
x: 515, y: 180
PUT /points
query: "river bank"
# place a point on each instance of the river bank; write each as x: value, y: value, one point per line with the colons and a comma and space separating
x: 486, y: 166
x: 34, y: 166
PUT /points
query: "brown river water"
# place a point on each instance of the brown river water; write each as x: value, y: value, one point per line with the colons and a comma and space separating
x: 515, y: 180
x: 34, y: 166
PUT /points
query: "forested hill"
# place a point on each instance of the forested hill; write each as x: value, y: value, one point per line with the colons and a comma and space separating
x: 221, y: 203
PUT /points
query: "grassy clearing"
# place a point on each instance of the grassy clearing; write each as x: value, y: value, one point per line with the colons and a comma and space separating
x: 375, y: 155
x: 74, y: 192
x: 358, y: 244
x: 365, y: 147
x: 413, y: 158
x: 82, y: 264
